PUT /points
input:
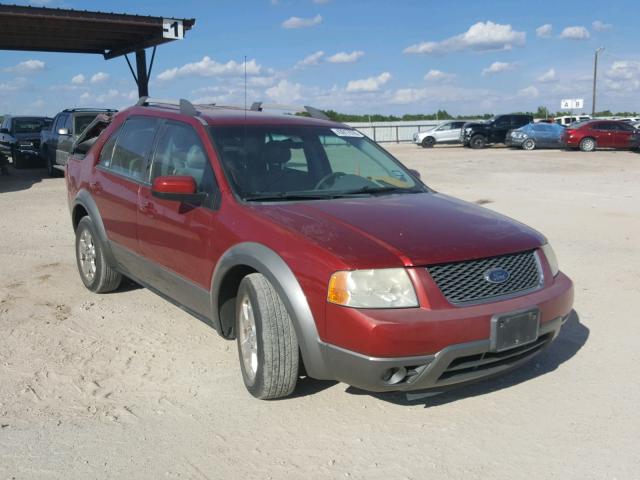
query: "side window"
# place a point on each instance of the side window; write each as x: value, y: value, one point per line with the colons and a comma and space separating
x: 68, y: 124
x: 458, y: 125
x: 502, y: 122
x: 60, y: 119
x: 133, y: 147
x: 180, y: 152
x: 602, y: 126
x: 107, y: 150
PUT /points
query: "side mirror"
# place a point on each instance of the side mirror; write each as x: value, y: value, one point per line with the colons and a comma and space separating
x: 415, y: 173
x: 63, y: 131
x: 177, y: 188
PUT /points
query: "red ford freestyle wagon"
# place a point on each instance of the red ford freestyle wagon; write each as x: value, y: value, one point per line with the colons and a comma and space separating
x: 317, y: 250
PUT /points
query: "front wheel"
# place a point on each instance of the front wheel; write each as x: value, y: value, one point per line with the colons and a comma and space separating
x: 17, y: 161
x: 95, y: 272
x: 528, y: 144
x: 478, y: 141
x: 587, y: 144
x: 267, y: 342
x: 428, y: 142
x: 51, y: 170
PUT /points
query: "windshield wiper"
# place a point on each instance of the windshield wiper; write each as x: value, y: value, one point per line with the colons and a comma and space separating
x: 269, y: 197
x: 380, y: 190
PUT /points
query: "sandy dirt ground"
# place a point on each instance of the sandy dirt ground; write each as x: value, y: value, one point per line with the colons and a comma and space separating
x: 126, y: 385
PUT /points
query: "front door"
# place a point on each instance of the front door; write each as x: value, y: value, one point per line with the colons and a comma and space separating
x: 605, y: 134
x: 178, y: 237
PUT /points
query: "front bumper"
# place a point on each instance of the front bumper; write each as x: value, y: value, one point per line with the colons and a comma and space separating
x: 453, y: 365
x: 514, y: 142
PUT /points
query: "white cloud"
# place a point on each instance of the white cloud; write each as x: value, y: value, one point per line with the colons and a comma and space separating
x: 623, y: 76
x: 298, y: 22
x: 548, y: 76
x: 321, y: 2
x: 544, y: 31
x: 344, y: 57
x: 312, y: 59
x: 439, y: 76
x: 529, y: 92
x: 78, y: 79
x: 28, y: 66
x: 575, y: 33
x: 498, y: 67
x: 371, y: 84
x: 285, y: 92
x: 482, y: 36
x: 99, y: 77
x: 210, y: 68
x: 600, y: 26
x: 13, y: 85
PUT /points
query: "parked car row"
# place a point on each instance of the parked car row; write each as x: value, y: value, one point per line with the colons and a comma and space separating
x: 26, y: 139
x: 520, y: 131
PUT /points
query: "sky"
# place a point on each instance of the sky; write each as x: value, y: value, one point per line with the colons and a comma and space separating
x: 353, y: 56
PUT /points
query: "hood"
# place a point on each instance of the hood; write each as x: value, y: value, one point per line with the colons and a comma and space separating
x: 403, y: 229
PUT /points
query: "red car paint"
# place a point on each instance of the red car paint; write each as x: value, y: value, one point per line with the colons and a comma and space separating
x: 318, y: 238
x: 606, y: 133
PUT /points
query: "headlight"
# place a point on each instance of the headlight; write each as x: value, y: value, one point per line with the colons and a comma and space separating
x: 468, y: 129
x: 551, y: 258
x: 385, y: 288
x: 518, y: 135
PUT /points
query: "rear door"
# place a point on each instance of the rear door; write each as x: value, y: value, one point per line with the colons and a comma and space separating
x: 500, y: 128
x: 178, y: 237
x: 445, y: 133
x: 121, y: 170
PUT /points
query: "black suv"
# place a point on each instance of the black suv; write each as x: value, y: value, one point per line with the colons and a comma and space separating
x: 57, y: 141
x: 480, y: 134
x: 20, y: 137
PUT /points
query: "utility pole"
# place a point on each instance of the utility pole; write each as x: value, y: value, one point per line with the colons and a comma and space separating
x: 595, y: 76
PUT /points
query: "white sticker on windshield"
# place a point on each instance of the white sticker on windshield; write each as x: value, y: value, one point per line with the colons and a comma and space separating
x: 347, y: 132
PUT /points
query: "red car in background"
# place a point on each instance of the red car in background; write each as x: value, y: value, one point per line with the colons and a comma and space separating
x: 592, y: 134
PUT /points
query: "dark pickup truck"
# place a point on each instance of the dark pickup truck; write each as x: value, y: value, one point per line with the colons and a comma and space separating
x: 481, y: 134
x: 56, y: 142
x: 20, y: 138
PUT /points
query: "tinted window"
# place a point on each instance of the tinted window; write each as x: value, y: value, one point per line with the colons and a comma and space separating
x: 59, y: 121
x: 27, y: 125
x: 502, y: 122
x: 179, y: 151
x: 82, y: 121
x: 68, y: 123
x: 625, y: 127
x: 133, y: 146
x: 602, y: 126
x: 458, y: 125
x: 446, y: 126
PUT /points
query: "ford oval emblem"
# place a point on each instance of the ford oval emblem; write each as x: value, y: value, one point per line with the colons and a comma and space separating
x: 496, y: 275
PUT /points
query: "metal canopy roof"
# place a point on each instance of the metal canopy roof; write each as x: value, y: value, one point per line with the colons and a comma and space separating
x: 62, y: 30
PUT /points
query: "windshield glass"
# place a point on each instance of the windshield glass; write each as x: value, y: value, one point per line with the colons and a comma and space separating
x: 28, y: 125
x: 285, y: 162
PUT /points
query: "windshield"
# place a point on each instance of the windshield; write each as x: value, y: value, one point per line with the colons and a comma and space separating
x: 294, y: 162
x: 28, y: 125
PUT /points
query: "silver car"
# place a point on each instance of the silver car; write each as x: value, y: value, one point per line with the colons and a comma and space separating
x: 447, y: 132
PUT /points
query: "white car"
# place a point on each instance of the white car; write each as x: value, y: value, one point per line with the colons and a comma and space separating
x: 569, y: 119
x: 447, y: 132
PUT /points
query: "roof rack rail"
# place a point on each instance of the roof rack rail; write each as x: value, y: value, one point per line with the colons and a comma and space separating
x: 186, y: 107
x: 89, y: 109
x: 313, y: 112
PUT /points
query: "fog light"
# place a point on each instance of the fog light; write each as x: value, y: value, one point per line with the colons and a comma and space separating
x: 395, y: 375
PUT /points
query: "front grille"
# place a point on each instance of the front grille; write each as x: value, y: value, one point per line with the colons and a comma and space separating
x: 464, y: 282
x: 482, y: 362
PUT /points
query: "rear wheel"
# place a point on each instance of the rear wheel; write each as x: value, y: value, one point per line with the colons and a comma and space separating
x: 428, y: 142
x: 94, y: 270
x: 478, y: 141
x: 587, y: 144
x: 267, y: 343
x: 528, y: 144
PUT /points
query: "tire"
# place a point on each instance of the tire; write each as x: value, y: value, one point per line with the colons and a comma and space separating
x: 95, y: 272
x: 428, y: 142
x: 478, y: 141
x: 17, y: 161
x: 587, y: 144
x: 528, y: 144
x: 267, y: 343
x: 53, y: 172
